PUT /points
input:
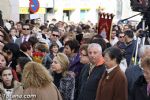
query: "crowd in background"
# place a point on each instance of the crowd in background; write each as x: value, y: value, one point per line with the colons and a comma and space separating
x: 68, y: 61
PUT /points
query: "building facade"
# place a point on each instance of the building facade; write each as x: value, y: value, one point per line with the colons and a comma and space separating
x: 67, y: 10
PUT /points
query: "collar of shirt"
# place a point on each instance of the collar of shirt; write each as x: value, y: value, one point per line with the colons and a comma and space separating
x: 140, y: 65
x: 27, y: 38
x: 101, y: 61
x: 111, y: 69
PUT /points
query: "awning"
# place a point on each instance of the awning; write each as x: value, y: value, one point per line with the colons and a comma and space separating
x: 25, y: 10
x: 69, y: 9
x: 85, y: 8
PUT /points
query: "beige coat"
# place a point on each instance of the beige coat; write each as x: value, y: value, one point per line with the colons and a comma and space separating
x: 17, y: 91
x: 45, y: 93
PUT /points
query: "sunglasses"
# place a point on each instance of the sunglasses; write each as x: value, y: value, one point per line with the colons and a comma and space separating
x: 55, y: 35
x: 121, y: 36
x: 26, y: 29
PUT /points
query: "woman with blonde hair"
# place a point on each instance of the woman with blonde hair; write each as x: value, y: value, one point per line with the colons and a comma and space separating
x: 38, y: 83
x: 63, y: 79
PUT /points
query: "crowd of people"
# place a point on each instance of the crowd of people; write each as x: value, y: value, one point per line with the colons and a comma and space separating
x: 68, y: 61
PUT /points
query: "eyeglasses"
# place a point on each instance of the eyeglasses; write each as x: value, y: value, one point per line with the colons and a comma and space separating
x: 26, y: 29
x: 55, y: 35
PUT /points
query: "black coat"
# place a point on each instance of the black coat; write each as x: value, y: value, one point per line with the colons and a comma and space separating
x: 89, y: 83
x: 140, y: 89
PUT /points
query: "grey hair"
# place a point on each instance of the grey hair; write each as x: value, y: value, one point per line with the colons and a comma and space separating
x: 143, y: 49
x: 95, y: 45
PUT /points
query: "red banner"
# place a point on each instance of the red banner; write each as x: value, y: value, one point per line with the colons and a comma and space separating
x: 104, y: 25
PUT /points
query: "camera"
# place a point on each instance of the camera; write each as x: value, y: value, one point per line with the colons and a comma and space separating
x: 140, y: 5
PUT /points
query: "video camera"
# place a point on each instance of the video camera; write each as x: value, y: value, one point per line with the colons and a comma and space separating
x: 140, y: 5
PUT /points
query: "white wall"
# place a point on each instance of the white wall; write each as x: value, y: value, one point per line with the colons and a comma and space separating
x: 14, y: 14
x: 5, y: 8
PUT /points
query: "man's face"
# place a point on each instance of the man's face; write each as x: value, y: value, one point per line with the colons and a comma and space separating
x: 121, y: 37
x: 19, y: 27
x: 54, y: 36
x: 26, y: 30
x: 94, y: 55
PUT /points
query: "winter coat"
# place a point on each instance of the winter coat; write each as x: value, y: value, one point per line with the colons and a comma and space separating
x: 113, y: 86
x: 67, y: 86
x: 132, y: 74
x: 140, y: 90
x: 88, y: 83
x: 17, y: 91
x: 49, y: 92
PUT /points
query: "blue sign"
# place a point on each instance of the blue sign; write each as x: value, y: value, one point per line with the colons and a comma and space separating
x: 34, y: 6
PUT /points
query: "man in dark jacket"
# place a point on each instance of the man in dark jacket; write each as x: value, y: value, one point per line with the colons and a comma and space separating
x: 130, y: 46
x: 91, y: 74
x: 134, y: 72
x: 141, y: 89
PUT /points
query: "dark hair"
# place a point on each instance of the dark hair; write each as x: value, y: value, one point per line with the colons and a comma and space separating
x: 73, y: 44
x: 33, y: 40
x: 55, y: 29
x: 5, y: 68
x: 13, y: 28
x: 26, y: 24
x: 52, y: 45
x: 114, y: 53
x: 84, y: 47
x: 25, y: 46
x: 22, y: 61
x: 21, y: 23
x: 96, y: 37
x: 6, y: 36
x: 43, y: 27
x: 129, y: 33
x: 12, y: 48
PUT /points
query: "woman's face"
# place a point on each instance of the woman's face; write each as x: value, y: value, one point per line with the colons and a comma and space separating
x: 67, y: 51
x: 8, y: 54
x: 2, y: 61
x: 55, y: 49
x: 1, y: 36
x: 84, y: 59
x: 108, y: 61
x: 13, y: 32
x: 7, y: 77
x: 55, y: 66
